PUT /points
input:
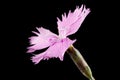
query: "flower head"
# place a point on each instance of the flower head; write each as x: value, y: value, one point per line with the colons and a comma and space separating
x: 57, y: 44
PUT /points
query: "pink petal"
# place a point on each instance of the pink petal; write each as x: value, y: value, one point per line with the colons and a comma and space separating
x: 73, y: 21
x: 54, y: 51
x: 44, y: 39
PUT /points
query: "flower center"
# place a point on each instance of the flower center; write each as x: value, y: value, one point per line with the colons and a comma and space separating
x: 62, y: 34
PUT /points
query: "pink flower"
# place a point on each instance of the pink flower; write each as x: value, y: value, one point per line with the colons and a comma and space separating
x: 57, y: 44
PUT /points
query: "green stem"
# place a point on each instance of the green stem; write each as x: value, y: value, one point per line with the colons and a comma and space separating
x: 80, y: 62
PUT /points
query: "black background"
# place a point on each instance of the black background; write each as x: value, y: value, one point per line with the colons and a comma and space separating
x: 92, y: 39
